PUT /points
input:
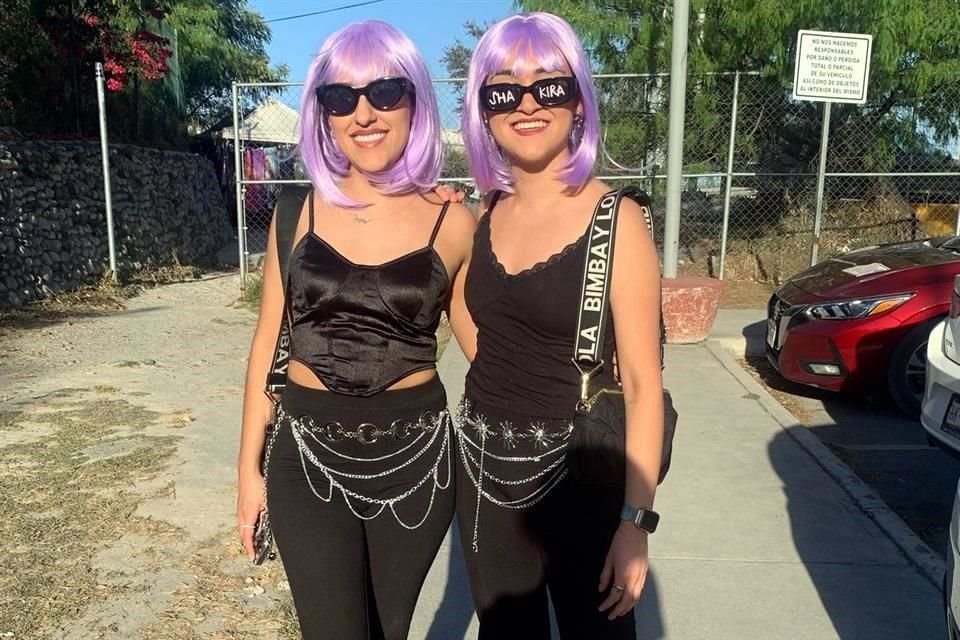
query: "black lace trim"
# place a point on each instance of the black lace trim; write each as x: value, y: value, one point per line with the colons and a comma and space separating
x: 536, y: 268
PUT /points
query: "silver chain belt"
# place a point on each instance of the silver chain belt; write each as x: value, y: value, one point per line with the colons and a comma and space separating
x: 550, y: 447
x: 429, y: 427
x: 366, y: 432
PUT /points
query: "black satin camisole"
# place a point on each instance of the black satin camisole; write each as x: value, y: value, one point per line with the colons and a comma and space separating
x: 361, y: 328
x: 526, y: 329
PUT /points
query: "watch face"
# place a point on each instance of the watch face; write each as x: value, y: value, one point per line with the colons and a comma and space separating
x: 648, y: 520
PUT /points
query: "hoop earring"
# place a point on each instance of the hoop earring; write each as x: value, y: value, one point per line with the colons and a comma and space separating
x: 576, y: 131
x: 493, y: 142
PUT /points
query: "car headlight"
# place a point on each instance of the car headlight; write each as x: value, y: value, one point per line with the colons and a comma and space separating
x: 850, y: 309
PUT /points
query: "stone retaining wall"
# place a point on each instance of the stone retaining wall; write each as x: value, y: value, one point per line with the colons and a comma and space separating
x: 167, y: 207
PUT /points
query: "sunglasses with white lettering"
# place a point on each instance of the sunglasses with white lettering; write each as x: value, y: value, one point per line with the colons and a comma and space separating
x: 382, y: 94
x: 549, y: 92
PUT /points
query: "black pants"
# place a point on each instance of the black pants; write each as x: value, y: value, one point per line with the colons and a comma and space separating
x: 356, y: 576
x: 558, y: 543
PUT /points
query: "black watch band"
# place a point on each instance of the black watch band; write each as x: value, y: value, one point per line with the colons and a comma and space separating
x: 644, y: 519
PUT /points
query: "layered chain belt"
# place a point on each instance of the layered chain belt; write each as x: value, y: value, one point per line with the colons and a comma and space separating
x: 422, y: 433
x: 549, y: 448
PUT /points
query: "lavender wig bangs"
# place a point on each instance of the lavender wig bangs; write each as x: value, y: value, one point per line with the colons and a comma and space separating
x: 357, y: 54
x: 524, y: 43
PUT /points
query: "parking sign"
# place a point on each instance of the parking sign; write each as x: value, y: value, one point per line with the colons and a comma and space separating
x: 832, y: 67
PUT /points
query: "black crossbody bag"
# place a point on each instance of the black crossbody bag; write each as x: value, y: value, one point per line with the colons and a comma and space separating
x: 287, y: 216
x: 597, y: 450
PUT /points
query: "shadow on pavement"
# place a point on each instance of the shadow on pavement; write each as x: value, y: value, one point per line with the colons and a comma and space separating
x: 847, y: 562
x: 648, y: 612
x: 886, y: 449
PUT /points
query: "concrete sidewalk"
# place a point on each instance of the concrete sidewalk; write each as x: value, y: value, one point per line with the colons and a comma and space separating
x: 742, y: 331
x: 760, y: 539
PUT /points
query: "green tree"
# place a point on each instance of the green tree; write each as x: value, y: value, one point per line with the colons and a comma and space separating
x: 456, y: 56
x: 167, y: 63
x: 219, y: 42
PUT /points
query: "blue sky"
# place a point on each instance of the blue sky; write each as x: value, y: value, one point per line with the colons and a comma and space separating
x: 431, y: 24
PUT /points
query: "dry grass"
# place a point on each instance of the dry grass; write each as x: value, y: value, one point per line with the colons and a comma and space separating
x: 234, y: 599
x: 66, y: 495
x: 745, y: 294
x: 250, y: 295
x: 99, y: 299
x: 772, y: 242
x: 72, y: 472
x: 761, y: 370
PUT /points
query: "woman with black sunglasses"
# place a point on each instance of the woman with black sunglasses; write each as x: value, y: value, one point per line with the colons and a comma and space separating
x: 531, y: 130
x: 359, y: 472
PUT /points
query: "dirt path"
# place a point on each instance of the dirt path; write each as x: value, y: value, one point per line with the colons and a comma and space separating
x: 118, y: 439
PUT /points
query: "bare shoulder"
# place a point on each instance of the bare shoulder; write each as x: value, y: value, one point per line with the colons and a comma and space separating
x: 633, y: 224
x: 459, y: 216
x: 633, y: 218
x: 595, y: 189
x: 458, y: 226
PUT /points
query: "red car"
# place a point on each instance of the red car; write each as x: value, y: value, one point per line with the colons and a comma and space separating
x: 860, y: 321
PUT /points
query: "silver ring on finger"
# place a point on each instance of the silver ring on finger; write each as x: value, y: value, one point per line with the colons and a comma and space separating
x: 618, y: 588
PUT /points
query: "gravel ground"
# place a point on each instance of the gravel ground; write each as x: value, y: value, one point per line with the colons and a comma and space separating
x: 118, y: 432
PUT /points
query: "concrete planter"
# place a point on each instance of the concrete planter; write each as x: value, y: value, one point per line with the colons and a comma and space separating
x: 689, y: 307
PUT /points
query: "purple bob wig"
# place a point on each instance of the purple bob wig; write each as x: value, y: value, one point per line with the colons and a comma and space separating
x: 357, y: 54
x: 524, y: 43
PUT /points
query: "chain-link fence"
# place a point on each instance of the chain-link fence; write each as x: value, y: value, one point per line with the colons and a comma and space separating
x: 750, y: 168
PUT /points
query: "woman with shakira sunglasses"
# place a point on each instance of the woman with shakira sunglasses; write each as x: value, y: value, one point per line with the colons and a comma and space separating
x: 358, y: 470
x: 531, y: 130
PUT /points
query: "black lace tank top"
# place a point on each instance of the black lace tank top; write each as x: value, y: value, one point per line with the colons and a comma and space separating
x: 526, y: 325
x: 361, y: 328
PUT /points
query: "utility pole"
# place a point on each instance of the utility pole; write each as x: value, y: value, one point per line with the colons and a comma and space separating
x: 678, y: 101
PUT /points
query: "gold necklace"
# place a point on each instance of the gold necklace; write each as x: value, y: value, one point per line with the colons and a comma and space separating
x: 359, y: 217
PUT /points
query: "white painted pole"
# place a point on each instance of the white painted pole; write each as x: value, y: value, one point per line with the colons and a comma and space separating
x: 678, y: 95
x: 729, y: 185
x: 821, y: 175
x: 238, y: 189
x: 105, y: 156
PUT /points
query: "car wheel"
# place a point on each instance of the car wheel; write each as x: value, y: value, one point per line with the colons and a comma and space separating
x: 907, y: 372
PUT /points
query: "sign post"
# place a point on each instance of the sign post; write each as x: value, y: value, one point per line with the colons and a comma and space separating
x: 830, y: 67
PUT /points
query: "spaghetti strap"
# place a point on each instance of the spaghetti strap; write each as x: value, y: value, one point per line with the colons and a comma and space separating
x: 436, y: 227
x: 493, y: 200
x: 310, y: 219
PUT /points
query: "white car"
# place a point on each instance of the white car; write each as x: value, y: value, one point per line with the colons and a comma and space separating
x: 940, y: 411
x: 951, y: 581
x: 940, y: 417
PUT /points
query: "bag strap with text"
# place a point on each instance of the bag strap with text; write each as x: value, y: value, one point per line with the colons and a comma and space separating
x: 593, y: 314
x: 289, y: 206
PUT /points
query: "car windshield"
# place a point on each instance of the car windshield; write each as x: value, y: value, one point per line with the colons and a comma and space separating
x: 951, y: 244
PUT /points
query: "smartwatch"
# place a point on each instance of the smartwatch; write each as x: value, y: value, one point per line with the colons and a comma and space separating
x: 644, y: 519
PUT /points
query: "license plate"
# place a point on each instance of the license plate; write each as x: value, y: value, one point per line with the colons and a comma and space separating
x: 771, y: 333
x: 951, y: 421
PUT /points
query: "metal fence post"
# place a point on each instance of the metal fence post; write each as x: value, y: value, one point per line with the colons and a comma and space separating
x: 678, y: 101
x: 238, y: 185
x: 729, y: 184
x: 957, y: 228
x: 821, y: 175
x: 105, y: 155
